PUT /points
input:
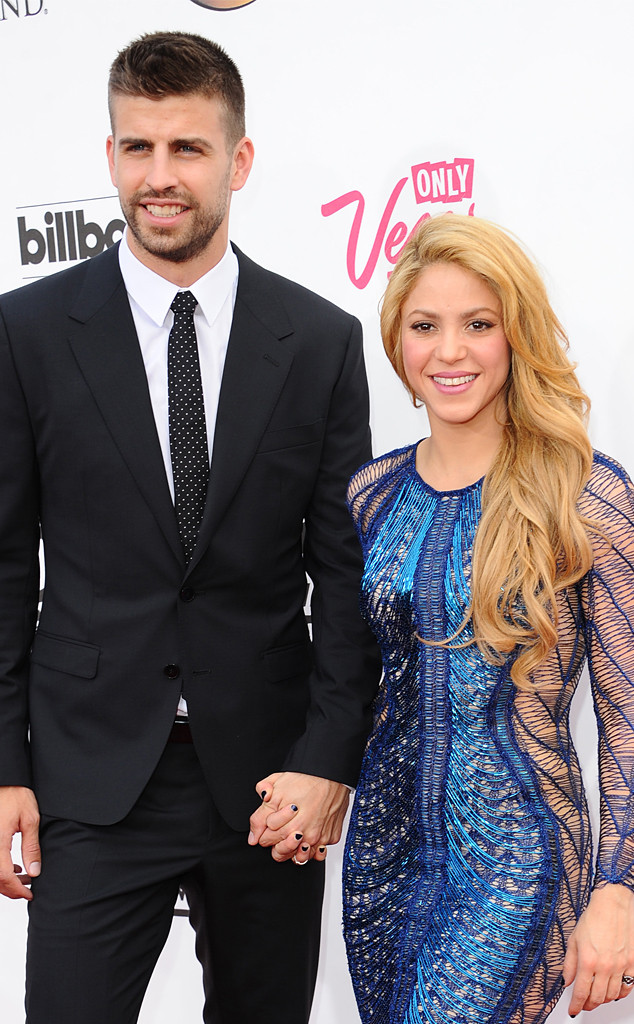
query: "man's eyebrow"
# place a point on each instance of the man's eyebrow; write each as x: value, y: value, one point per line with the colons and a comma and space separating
x: 196, y: 140
x: 132, y: 141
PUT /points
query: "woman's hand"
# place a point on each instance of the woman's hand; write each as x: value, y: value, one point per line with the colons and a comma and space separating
x: 600, y: 951
x: 299, y: 816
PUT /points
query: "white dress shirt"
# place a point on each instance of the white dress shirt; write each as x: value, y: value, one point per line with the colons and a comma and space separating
x: 150, y: 299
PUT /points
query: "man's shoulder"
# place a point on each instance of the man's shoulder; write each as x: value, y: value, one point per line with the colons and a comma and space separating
x: 58, y: 290
x: 255, y: 280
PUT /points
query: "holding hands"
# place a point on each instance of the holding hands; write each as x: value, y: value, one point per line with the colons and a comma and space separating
x: 299, y: 816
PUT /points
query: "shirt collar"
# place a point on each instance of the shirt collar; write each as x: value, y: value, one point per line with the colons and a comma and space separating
x: 154, y: 294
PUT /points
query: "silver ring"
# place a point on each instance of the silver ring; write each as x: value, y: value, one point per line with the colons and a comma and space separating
x: 628, y: 979
x: 303, y: 863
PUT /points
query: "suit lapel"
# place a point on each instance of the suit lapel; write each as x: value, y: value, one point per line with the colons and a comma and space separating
x: 256, y: 367
x: 104, y: 341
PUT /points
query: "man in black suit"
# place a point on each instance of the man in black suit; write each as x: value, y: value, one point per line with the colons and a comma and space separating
x: 172, y: 671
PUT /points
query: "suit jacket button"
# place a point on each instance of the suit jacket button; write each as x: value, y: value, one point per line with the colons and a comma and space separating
x: 187, y: 594
x: 172, y: 671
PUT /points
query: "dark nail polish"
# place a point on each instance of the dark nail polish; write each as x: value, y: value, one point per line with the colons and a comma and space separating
x: 263, y: 793
x: 305, y: 849
x: 322, y: 849
x: 299, y: 835
x: 294, y: 807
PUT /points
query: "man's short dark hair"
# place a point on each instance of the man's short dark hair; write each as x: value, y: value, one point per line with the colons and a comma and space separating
x: 175, y: 64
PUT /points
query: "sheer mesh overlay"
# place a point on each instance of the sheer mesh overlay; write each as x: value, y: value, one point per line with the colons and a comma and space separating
x: 469, y: 855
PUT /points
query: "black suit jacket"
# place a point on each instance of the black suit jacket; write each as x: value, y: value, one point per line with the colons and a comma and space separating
x: 124, y: 625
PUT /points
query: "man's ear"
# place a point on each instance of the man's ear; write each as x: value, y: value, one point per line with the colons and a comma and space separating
x: 110, y: 155
x: 242, y: 163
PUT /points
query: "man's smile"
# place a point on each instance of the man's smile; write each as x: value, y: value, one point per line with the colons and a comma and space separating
x: 164, y: 211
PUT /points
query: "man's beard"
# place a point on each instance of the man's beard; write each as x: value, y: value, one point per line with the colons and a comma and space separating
x: 166, y: 243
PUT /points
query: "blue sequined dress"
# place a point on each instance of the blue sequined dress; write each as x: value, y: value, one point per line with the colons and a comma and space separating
x: 469, y: 855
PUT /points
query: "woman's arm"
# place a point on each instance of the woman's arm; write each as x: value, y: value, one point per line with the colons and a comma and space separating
x: 600, y: 951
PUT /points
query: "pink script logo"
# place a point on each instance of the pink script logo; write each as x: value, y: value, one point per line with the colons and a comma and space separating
x: 432, y: 183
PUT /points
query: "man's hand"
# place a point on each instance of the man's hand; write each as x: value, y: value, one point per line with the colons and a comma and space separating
x: 18, y: 813
x: 299, y: 816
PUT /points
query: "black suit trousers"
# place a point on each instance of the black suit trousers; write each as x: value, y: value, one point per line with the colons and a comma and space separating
x: 103, y: 906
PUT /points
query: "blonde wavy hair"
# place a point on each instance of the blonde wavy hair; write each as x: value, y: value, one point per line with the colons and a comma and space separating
x: 531, y: 542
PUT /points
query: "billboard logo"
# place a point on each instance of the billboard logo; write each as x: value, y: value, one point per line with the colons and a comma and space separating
x: 20, y: 8
x: 449, y: 183
x: 65, y: 236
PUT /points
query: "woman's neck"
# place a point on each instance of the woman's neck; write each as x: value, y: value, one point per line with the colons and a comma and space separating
x: 455, y: 456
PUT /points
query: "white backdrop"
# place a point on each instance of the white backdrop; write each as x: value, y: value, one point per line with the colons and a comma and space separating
x: 365, y: 115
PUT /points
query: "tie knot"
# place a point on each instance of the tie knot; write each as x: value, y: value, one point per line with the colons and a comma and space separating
x: 184, y: 302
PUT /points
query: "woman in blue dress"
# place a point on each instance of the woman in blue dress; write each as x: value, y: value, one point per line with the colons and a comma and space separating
x: 499, y: 561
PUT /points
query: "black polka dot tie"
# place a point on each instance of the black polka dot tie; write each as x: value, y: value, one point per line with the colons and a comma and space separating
x: 188, y: 434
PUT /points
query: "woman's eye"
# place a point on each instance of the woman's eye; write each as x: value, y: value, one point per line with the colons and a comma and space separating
x: 422, y: 326
x: 480, y: 325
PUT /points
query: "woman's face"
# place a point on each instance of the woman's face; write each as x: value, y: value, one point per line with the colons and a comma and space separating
x: 455, y: 353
